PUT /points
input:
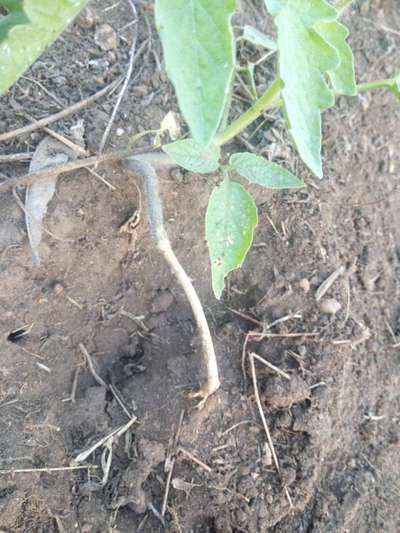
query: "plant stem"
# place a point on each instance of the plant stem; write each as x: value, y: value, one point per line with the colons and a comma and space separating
x: 268, y: 100
x: 378, y: 84
x: 341, y: 5
x: 142, y: 166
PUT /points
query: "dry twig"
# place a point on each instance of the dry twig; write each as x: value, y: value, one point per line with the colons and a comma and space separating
x: 117, y: 396
x: 77, y: 149
x: 265, y: 425
x: 75, y: 384
x: 260, y: 410
x: 327, y: 284
x: 157, y: 159
x: 71, y: 145
x: 58, y: 116
x: 128, y: 75
x: 52, y: 96
x: 12, y: 158
x: 103, y: 180
x: 48, y: 469
x: 194, y: 459
x: 91, y: 366
x: 170, y: 463
x: 115, y: 434
x: 271, y: 366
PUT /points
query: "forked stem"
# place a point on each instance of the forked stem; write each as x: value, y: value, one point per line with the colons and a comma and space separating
x: 268, y: 100
x: 271, y: 100
x: 145, y: 166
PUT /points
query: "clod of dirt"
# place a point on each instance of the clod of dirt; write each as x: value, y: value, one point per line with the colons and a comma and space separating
x: 128, y: 363
x: 330, y: 306
x: 87, y: 19
x: 301, y: 420
x: 131, y: 493
x: 19, y: 514
x: 162, y: 301
x: 288, y: 476
x: 284, y: 420
x: 85, y: 418
x: 281, y: 393
x: 178, y: 366
x: 106, y: 38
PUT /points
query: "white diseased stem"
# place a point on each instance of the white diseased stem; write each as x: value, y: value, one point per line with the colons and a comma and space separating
x: 145, y: 168
x: 207, y: 343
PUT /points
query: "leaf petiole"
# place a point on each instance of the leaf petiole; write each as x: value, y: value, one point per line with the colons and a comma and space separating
x: 270, y: 100
x: 341, y: 5
x: 388, y: 83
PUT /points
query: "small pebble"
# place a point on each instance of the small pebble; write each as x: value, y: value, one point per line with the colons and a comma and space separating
x: 120, y: 132
x: 87, y: 19
x: 330, y: 306
x: 58, y: 288
x: 302, y: 350
x: 140, y: 90
x: 266, y: 458
x: 177, y: 175
x: 105, y: 37
x: 304, y: 284
x: 244, y: 470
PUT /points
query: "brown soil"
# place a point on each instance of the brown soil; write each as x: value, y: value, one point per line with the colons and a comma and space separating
x: 335, y: 425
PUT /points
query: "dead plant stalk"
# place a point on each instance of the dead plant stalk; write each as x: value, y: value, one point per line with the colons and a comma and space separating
x: 142, y: 166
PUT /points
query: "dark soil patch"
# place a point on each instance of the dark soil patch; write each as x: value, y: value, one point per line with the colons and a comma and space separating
x: 335, y: 425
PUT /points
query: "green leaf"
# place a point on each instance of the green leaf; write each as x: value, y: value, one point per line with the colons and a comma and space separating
x: 230, y: 222
x: 26, y: 31
x: 192, y: 156
x: 307, y: 53
x: 262, y: 172
x: 14, y: 17
x: 199, y: 52
x: 343, y: 77
x: 258, y: 38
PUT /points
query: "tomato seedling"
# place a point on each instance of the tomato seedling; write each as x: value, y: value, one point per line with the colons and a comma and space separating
x: 315, y: 65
